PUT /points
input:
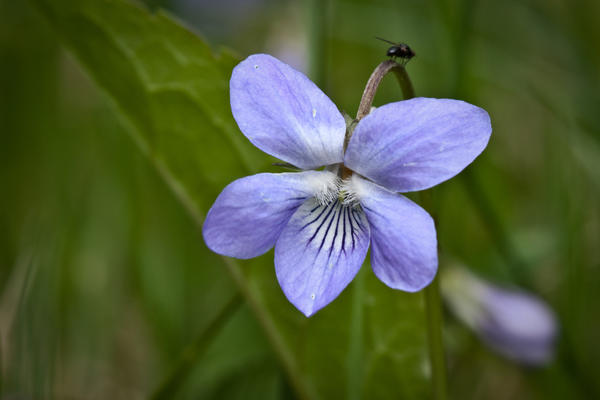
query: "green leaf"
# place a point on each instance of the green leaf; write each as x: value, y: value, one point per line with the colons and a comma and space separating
x: 168, y: 85
x: 172, y: 91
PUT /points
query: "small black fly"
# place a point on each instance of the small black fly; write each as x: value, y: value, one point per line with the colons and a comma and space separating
x: 399, y: 50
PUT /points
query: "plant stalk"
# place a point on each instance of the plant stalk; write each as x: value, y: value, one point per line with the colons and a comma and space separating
x: 433, y: 304
x: 435, y: 341
x: 366, y: 102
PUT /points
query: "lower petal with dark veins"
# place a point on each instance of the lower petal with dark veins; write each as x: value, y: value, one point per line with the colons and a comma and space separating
x: 319, y: 252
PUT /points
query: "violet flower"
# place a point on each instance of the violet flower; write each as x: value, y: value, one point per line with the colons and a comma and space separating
x: 322, y: 225
x: 514, y: 323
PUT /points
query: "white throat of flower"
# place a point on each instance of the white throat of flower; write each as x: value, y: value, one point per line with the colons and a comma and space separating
x: 328, y: 187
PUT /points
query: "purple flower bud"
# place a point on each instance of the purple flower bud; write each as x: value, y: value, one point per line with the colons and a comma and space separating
x: 514, y: 323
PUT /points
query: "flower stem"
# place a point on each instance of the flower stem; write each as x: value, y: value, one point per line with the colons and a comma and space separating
x: 433, y: 309
x: 375, y: 79
x: 433, y: 302
x: 405, y: 84
x: 355, y: 360
x: 366, y: 101
x: 433, y: 305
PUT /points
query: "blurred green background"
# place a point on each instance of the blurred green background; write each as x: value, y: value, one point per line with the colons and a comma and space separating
x: 106, y: 288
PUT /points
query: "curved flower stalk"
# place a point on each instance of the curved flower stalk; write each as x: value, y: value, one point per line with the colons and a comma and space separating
x: 322, y: 222
x: 514, y: 323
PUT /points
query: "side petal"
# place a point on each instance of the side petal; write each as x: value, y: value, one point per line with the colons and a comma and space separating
x: 284, y: 114
x: 403, y: 237
x: 416, y: 144
x: 319, y: 252
x: 250, y: 213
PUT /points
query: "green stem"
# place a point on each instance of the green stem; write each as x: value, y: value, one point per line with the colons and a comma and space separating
x: 366, y: 102
x: 433, y: 302
x: 173, y: 382
x: 406, y: 86
x: 435, y: 322
x: 355, y: 350
x: 435, y: 341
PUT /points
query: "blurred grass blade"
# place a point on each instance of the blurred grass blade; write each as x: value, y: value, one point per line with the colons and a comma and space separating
x: 170, y: 386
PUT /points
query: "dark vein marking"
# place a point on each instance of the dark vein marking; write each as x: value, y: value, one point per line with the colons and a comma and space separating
x: 331, y: 208
x: 327, y: 231
x: 337, y: 225
x: 351, y: 229
x: 344, y: 234
x: 357, y: 219
x: 325, y: 208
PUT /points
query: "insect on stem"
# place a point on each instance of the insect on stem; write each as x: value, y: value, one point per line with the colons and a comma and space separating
x: 398, y: 50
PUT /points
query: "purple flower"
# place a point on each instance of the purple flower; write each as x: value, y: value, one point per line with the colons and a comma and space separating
x: 514, y: 323
x: 321, y: 225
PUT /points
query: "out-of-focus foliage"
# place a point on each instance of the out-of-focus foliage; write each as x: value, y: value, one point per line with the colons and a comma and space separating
x: 106, y: 284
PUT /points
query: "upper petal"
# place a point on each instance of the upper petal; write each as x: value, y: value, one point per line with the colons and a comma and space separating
x: 319, y: 252
x: 416, y: 144
x: 250, y: 213
x: 284, y: 114
x: 403, y: 238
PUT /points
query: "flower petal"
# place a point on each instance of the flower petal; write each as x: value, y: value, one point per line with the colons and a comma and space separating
x: 284, y: 114
x: 515, y: 323
x: 250, y: 213
x: 403, y: 238
x: 416, y: 144
x: 319, y: 252
x: 518, y: 325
